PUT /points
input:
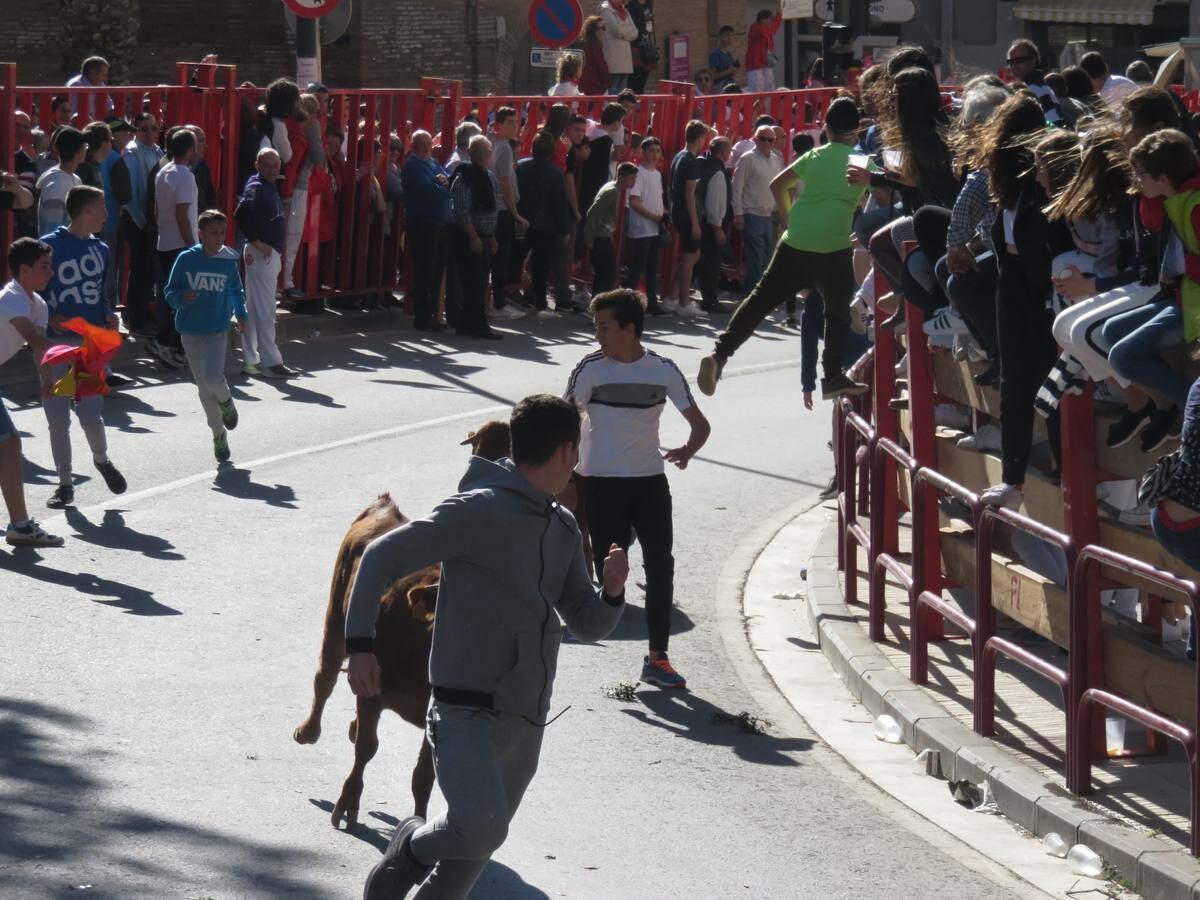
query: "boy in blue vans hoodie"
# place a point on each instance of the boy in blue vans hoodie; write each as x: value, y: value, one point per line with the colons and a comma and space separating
x: 80, y: 262
x: 205, y: 290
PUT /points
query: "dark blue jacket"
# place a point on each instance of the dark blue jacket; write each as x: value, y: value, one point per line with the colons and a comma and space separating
x: 543, y: 192
x: 425, y: 199
x: 260, y: 214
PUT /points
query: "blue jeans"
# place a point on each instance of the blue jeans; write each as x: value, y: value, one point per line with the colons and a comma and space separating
x: 641, y: 256
x: 1136, y: 340
x: 618, y: 82
x: 758, y: 240
x: 1184, y: 545
x: 812, y: 327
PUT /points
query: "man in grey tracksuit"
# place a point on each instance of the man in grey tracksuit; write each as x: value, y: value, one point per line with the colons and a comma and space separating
x: 512, y: 564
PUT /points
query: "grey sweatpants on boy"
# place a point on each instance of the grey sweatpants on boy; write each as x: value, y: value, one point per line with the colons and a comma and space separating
x: 89, y: 410
x: 206, y: 359
x: 484, y: 761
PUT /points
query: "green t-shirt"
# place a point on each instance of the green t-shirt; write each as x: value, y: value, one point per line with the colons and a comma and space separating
x: 821, y: 218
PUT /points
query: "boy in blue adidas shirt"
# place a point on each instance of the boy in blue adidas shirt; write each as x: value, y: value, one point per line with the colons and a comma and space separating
x: 80, y: 262
x: 205, y: 290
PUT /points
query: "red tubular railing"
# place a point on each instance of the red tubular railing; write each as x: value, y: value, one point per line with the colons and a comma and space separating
x: 885, y: 453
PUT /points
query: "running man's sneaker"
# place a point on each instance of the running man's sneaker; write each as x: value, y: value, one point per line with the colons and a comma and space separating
x: 31, y: 534
x: 251, y: 369
x: 1126, y: 428
x: 841, y: 384
x: 946, y: 322
x: 63, y: 496
x: 396, y: 874
x: 1159, y: 429
x: 710, y: 374
x: 229, y: 414
x: 113, y: 478
x: 660, y: 672
x: 221, y: 447
x: 985, y: 438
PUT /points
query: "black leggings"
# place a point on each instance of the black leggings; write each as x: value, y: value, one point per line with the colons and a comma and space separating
x: 617, y: 508
x: 931, y: 224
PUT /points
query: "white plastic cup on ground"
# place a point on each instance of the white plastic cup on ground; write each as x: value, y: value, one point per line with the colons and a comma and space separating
x: 888, y: 730
x: 1055, y: 845
x: 1084, y: 861
x: 1114, y: 733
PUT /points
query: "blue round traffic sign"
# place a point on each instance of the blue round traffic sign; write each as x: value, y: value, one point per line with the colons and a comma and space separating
x: 555, y: 23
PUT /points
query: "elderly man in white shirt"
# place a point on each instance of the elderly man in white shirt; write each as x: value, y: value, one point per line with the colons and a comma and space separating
x: 754, y: 204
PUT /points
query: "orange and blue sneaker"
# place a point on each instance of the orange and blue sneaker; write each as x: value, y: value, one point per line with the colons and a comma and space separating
x: 660, y: 672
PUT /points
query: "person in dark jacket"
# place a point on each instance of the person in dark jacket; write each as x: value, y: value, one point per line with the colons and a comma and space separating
x: 474, y: 209
x: 427, y: 211
x: 543, y: 192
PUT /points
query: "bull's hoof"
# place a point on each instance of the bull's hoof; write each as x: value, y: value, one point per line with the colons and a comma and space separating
x: 350, y: 814
x: 307, y: 733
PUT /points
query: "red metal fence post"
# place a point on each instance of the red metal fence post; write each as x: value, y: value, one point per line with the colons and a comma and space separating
x: 8, y: 148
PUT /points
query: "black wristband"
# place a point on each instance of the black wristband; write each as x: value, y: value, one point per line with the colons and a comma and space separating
x: 360, y: 645
x: 613, y: 601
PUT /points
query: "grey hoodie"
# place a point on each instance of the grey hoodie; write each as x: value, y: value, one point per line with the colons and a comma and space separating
x: 510, y: 557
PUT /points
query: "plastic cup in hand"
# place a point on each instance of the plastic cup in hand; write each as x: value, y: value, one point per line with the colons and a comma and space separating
x: 1055, y: 845
x: 858, y: 160
x: 1084, y: 861
x: 893, y: 159
x: 888, y: 730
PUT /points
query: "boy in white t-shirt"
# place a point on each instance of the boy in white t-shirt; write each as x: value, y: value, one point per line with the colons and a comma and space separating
x: 23, y: 319
x: 621, y: 391
x: 55, y: 183
x: 646, y: 207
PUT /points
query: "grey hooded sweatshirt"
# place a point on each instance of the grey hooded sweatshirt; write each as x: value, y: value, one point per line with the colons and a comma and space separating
x: 512, y: 563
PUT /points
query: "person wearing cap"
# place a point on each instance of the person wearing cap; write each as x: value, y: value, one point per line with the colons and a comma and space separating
x: 814, y: 252
x: 722, y: 62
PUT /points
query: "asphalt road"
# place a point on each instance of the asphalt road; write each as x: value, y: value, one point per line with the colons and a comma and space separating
x: 152, y: 671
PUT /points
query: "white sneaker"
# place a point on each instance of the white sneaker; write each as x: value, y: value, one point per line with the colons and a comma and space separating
x: 691, y: 311
x: 1138, y: 515
x: 985, y: 438
x: 506, y: 312
x: 1006, y: 495
x: 951, y: 415
x: 548, y: 314
x: 947, y: 322
x: 668, y: 306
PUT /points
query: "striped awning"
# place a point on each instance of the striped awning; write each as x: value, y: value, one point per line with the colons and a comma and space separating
x: 1093, y: 12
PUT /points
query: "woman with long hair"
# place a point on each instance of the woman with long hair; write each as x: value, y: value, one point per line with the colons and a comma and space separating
x: 595, y: 78
x: 566, y: 73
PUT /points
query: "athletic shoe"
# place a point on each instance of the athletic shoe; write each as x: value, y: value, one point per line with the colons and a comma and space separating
x: 178, y: 357
x: 162, y: 354
x: 251, y: 369
x: 830, y: 490
x: 841, y: 384
x: 31, y: 534
x: 1006, y: 495
x: 668, y: 306
x: 710, y: 374
x: 688, y: 312
x: 293, y: 293
x: 660, y: 672
x: 63, y: 496
x: 114, y: 479
x: 989, y: 377
x: 279, y: 370
x: 221, y: 447
x: 507, y: 312
x: 1126, y: 428
x: 1159, y: 429
x: 548, y: 314
x: 947, y: 322
x: 396, y: 874
x: 951, y: 415
x: 985, y: 438
x: 229, y: 414
x: 1138, y: 515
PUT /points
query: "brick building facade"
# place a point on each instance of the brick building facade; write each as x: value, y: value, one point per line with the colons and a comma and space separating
x: 390, y: 43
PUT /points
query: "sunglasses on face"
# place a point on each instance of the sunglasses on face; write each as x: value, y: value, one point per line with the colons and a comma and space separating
x: 1018, y: 60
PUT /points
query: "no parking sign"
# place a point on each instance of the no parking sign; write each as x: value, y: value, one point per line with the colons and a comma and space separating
x: 555, y: 23
x: 311, y: 9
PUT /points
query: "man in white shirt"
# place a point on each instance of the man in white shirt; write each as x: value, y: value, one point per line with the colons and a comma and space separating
x: 1112, y: 88
x: 506, y: 128
x: 23, y: 320
x: 621, y: 391
x: 175, y: 207
x: 646, y: 209
x: 754, y: 204
x: 93, y: 73
x: 55, y: 183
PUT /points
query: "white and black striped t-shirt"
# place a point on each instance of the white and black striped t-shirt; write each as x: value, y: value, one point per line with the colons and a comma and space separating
x: 621, y: 405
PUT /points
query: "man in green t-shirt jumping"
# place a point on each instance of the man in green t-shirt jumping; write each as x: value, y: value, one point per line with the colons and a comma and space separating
x: 813, y: 253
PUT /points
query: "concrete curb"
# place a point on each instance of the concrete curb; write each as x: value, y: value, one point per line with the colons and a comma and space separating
x: 1157, y: 869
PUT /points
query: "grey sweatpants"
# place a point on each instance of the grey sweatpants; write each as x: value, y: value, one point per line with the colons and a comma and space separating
x: 206, y: 359
x: 484, y: 762
x: 89, y: 411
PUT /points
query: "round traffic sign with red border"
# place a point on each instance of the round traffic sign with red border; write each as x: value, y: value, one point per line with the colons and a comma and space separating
x: 311, y: 9
x: 555, y: 23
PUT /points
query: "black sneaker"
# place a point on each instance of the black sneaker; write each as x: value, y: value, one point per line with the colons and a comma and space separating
x: 840, y: 384
x: 114, y: 479
x: 1129, y: 425
x: 830, y: 490
x: 395, y: 874
x: 989, y: 377
x: 63, y: 496
x: 1159, y: 429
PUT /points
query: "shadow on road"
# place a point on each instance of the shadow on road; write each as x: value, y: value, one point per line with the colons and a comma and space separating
x: 632, y: 626
x: 237, y: 483
x: 112, y: 532
x: 60, y: 825
x: 120, y: 407
x: 688, y: 716
x: 297, y: 394
x: 134, y: 600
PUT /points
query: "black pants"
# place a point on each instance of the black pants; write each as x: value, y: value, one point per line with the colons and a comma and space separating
x: 619, y: 507
x: 472, y: 269
x: 637, y: 80
x: 166, y: 334
x: 642, y: 255
x: 931, y: 224
x: 604, y: 265
x: 708, y: 267
x: 1027, y: 353
x: 139, y: 293
x: 548, y: 257
x: 505, y: 234
x: 790, y: 270
x: 427, y: 244
x: 973, y: 294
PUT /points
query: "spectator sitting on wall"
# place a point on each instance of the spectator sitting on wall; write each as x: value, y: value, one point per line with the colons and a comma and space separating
x: 619, y: 31
x: 1112, y: 88
x: 760, y: 51
x: 723, y: 63
x: 595, y: 78
x: 93, y: 73
x: 54, y: 185
x: 567, y: 73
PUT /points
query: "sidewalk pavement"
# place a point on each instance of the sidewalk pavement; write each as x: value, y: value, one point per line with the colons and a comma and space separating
x: 1137, y: 820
